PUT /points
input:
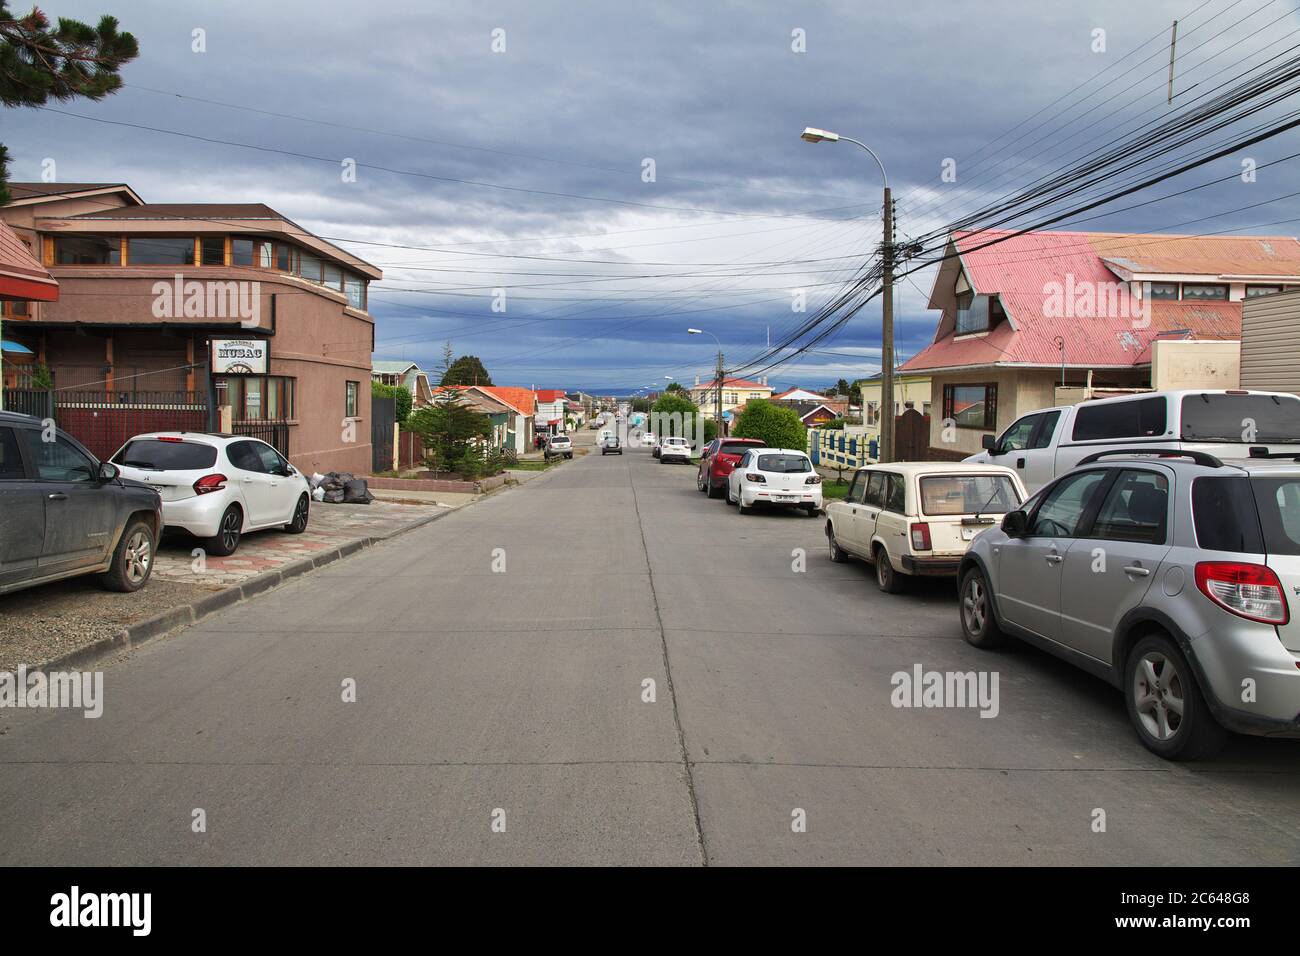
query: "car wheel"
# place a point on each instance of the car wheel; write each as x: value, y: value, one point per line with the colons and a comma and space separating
x: 838, y: 554
x: 132, y: 559
x: 228, y: 533
x: 742, y: 508
x: 301, y: 512
x: 811, y: 511
x: 730, y: 500
x: 700, y: 486
x: 887, y: 579
x: 978, y: 624
x: 714, y: 490
x: 1165, y: 703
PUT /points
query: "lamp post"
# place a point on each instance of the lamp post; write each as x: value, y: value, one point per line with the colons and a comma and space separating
x: 717, y: 398
x: 814, y: 135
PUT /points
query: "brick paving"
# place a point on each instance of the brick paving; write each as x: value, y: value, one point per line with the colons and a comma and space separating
x: 330, y: 527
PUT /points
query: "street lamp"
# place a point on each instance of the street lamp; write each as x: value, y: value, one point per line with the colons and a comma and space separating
x: 717, y: 400
x: 814, y: 135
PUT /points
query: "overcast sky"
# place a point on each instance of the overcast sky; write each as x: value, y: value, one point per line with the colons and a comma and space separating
x: 524, y: 169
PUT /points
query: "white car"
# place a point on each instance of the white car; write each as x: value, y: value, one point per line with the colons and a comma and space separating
x: 674, y: 448
x: 775, y: 476
x: 918, y: 518
x: 218, y: 487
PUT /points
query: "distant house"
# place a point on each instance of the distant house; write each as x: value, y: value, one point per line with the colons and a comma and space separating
x: 497, y: 411
x: 409, y: 374
x: 1056, y: 317
x: 551, y: 407
x: 735, y: 393
x: 911, y: 390
x: 798, y: 395
x: 521, y: 404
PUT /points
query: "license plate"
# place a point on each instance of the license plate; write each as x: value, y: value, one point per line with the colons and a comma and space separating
x: 786, y: 497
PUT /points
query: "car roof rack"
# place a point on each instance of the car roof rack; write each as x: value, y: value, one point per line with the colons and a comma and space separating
x: 1257, y: 451
x: 1200, y: 457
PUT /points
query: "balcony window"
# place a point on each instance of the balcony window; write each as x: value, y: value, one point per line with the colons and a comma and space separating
x: 1204, y: 292
x: 214, y: 251
x: 87, y: 251
x: 160, y: 251
x: 355, y: 288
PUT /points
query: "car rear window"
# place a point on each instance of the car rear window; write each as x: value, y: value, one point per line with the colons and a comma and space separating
x: 783, y: 464
x: 1135, y: 418
x: 1278, y: 500
x: 166, y: 455
x: 732, y: 448
x: 968, y: 494
x: 1225, y: 515
x: 1252, y: 419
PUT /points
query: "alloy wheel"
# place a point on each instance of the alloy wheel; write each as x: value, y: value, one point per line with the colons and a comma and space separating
x: 974, y: 605
x: 1158, y: 695
x: 230, y: 529
x: 139, y: 555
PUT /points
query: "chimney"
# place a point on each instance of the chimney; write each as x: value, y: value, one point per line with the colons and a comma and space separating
x: 697, y: 380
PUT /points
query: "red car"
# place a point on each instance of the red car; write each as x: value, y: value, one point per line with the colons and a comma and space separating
x: 718, y: 458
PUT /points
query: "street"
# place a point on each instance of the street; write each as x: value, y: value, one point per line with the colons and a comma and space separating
x: 500, y: 717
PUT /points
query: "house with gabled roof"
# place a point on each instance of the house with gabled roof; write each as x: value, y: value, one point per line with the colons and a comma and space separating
x: 1048, y: 318
x: 407, y: 374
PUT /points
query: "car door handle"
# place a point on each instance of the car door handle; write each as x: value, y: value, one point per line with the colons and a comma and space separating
x: 1054, y: 558
x: 1138, y: 570
x: 57, y: 496
x: 1020, y: 463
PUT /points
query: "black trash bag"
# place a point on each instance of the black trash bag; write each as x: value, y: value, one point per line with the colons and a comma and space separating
x: 356, y: 492
x: 334, y: 496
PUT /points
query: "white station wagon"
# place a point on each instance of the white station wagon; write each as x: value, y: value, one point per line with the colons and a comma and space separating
x: 918, y: 518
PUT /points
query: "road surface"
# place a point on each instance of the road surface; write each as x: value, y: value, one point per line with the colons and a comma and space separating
x: 499, y: 657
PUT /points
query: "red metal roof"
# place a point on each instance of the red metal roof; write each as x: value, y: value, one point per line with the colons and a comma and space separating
x: 545, y: 395
x: 22, y: 277
x: 1046, y: 281
x: 731, y: 383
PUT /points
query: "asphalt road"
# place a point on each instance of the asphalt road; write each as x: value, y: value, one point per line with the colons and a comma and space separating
x: 515, y: 695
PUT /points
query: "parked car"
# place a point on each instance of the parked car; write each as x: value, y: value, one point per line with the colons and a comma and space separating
x: 1167, y: 577
x: 781, y: 477
x: 218, y: 487
x: 558, y: 446
x: 718, y: 459
x: 63, y: 513
x: 1051, y: 441
x: 674, y: 448
x: 656, y: 444
x: 610, y: 445
x: 918, y: 518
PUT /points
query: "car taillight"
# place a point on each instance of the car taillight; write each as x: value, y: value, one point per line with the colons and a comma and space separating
x: 209, y: 483
x: 1251, y: 591
x: 921, y: 537
x: 755, y: 476
x: 814, y: 480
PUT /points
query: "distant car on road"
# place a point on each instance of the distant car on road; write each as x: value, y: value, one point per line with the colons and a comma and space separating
x: 781, y: 477
x: 716, y: 461
x: 1170, y: 577
x: 558, y: 446
x: 610, y: 445
x: 64, y: 514
x: 918, y: 518
x: 218, y: 487
x: 674, y: 448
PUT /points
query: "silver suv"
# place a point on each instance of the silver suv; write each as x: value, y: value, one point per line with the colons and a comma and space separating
x: 1167, y: 575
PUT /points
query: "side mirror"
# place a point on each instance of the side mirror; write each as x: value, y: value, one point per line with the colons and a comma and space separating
x: 990, y: 443
x: 107, y: 471
x: 1015, y: 523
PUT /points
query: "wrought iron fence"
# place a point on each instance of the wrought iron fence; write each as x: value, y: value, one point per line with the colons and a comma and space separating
x: 275, y: 434
x: 29, y: 401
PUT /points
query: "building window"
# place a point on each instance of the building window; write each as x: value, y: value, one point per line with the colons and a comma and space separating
x: 350, y: 400
x: 87, y: 251
x: 309, y: 267
x: 214, y: 251
x: 1164, y: 290
x: 258, y: 397
x: 333, y: 276
x: 1255, y: 290
x: 355, y: 287
x: 15, y: 309
x: 1195, y: 291
x: 250, y: 252
x: 872, y: 414
x: 282, y: 257
x: 160, y: 251
x: 971, y: 406
x: 980, y: 314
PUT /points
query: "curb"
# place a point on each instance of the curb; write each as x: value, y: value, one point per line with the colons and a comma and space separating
x: 142, y: 632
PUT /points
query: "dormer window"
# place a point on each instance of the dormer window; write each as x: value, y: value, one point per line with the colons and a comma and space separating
x: 979, y: 314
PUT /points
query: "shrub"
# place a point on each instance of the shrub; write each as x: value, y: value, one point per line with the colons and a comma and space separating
x: 778, y: 427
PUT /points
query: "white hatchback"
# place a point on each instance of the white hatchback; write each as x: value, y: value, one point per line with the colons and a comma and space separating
x: 775, y: 476
x: 217, y: 487
x: 674, y: 449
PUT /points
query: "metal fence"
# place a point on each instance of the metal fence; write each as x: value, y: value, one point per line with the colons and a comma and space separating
x: 275, y: 434
x: 29, y: 401
x: 103, y: 422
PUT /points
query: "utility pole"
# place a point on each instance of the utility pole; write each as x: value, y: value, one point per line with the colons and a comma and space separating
x: 887, y: 335
x: 717, y: 401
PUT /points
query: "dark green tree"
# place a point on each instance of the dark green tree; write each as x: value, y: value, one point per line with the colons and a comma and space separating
x: 466, y: 370
x: 401, y: 396
x: 454, y: 435
x: 677, y: 388
x: 72, y: 61
x: 776, y: 425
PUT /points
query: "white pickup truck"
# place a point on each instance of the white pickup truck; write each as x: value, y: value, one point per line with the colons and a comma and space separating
x: 1223, y: 423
